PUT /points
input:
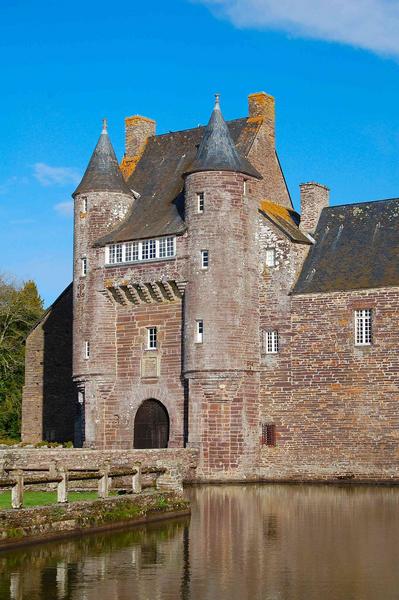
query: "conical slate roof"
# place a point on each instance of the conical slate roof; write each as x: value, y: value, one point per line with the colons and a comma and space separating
x: 217, y: 151
x: 103, y: 173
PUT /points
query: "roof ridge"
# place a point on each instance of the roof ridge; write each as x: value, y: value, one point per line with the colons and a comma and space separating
x: 363, y: 202
x: 196, y: 128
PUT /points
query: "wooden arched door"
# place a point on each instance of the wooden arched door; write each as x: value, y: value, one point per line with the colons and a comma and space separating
x: 151, y: 425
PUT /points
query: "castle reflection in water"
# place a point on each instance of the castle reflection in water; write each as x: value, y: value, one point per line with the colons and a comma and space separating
x: 242, y: 542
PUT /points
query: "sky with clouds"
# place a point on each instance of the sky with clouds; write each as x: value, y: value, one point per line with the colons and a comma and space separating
x: 333, y: 66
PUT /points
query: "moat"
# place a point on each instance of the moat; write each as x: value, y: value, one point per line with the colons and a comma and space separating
x: 255, y: 542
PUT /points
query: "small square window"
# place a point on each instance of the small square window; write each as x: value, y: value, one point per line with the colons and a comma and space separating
x: 83, y: 266
x: 87, y: 349
x: 270, y: 257
x: 201, y: 202
x: 270, y: 342
x: 204, y: 259
x: 268, y: 434
x: 363, y: 327
x: 199, y: 337
x: 152, y: 338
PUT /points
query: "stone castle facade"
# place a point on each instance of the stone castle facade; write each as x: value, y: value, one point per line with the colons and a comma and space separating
x: 206, y: 313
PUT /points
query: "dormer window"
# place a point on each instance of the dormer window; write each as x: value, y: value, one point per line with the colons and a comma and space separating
x: 131, y: 252
x: 200, y: 202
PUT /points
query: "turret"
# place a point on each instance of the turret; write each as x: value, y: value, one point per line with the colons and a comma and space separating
x: 102, y: 199
x: 221, y: 345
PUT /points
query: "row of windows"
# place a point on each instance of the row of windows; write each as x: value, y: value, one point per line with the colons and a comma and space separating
x: 164, y: 247
x: 270, y: 341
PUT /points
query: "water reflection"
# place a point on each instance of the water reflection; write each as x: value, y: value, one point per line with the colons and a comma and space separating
x: 242, y: 542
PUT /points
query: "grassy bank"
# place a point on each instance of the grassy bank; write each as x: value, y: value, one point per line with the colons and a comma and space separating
x: 44, y: 498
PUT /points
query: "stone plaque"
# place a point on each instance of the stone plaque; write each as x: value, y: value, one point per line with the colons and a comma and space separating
x: 149, y: 367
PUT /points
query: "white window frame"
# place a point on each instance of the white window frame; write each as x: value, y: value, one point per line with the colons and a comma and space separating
x: 363, y: 327
x: 204, y: 259
x: 152, y: 338
x: 271, y: 341
x: 245, y: 187
x: 83, y: 266
x: 200, y: 202
x: 270, y: 257
x: 85, y: 204
x: 87, y: 349
x: 141, y: 251
x: 199, y: 331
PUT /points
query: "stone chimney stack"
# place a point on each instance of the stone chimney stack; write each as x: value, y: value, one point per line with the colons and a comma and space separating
x: 261, y: 106
x: 314, y: 197
x: 137, y: 131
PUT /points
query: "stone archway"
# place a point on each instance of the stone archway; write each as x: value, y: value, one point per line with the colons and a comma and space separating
x: 151, y: 425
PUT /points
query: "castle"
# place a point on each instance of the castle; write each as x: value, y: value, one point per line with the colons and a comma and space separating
x: 205, y: 312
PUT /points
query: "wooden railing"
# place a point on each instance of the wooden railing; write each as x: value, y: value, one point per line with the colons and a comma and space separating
x: 17, y: 479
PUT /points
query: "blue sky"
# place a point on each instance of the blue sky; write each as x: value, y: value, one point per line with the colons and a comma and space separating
x: 64, y: 66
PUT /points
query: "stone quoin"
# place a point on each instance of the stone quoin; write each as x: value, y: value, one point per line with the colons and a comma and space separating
x: 206, y: 313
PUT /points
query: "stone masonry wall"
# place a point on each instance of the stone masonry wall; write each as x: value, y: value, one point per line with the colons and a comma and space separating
x: 336, y: 412
x: 48, y: 404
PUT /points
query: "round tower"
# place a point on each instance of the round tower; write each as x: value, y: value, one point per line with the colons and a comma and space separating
x: 101, y: 200
x: 221, y: 336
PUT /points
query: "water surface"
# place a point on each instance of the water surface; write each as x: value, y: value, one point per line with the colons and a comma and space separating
x: 257, y: 542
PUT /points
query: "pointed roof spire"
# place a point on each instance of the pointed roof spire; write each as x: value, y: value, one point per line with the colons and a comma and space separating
x: 103, y: 173
x: 217, y: 151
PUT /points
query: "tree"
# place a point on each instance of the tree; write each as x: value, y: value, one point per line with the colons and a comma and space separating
x: 20, y: 308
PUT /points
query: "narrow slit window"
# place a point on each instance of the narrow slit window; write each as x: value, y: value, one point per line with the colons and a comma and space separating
x: 268, y: 434
x: 152, y: 338
x: 245, y: 187
x: 201, y: 202
x: 270, y: 342
x: 84, y: 204
x: 363, y: 327
x: 199, y: 336
x: 204, y: 259
x: 83, y: 266
x: 270, y: 257
x: 87, y: 349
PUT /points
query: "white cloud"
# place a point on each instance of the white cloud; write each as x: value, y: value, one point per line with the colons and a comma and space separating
x: 64, y: 209
x: 48, y: 175
x: 369, y: 24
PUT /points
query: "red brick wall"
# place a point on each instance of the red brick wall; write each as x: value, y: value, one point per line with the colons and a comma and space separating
x: 336, y: 414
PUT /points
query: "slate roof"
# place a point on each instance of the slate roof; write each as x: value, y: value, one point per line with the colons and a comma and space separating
x: 287, y: 220
x: 357, y: 247
x: 103, y: 173
x: 158, y: 178
x: 217, y: 151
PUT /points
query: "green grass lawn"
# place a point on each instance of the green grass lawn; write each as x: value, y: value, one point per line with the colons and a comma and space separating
x: 42, y: 498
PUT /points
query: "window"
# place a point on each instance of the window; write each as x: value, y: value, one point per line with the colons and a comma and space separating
x: 270, y: 257
x: 87, y: 349
x: 115, y: 253
x: 268, y: 434
x: 245, y: 187
x: 83, y: 266
x: 363, y: 327
x: 201, y: 202
x: 131, y: 251
x: 128, y: 252
x: 204, y: 259
x: 199, y: 337
x: 270, y: 342
x: 84, y: 204
x: 152, y: 338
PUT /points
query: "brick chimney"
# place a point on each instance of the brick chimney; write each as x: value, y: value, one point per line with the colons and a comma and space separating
x: 137, y: 131
x: 261, y: 106
x: 314, y: 197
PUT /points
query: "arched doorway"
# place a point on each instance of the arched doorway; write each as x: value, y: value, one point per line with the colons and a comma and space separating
x: 151, y: 425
